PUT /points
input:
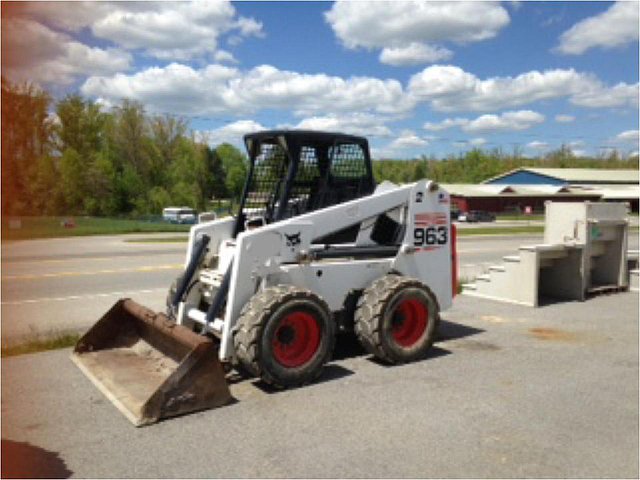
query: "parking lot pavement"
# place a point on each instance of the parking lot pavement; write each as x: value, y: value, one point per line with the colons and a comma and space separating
x: 507, y: 391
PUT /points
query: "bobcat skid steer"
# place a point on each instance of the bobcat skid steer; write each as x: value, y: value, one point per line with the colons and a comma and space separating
x: 314, y: 249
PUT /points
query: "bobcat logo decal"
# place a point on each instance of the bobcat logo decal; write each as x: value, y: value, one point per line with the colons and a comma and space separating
x: 293, y: 240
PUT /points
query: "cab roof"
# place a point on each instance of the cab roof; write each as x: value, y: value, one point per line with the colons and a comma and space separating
x: 304, y: 136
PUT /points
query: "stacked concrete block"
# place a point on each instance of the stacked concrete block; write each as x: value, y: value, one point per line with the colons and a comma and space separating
x: 585, y: 251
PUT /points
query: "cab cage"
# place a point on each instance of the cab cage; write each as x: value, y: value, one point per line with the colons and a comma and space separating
x: 293, y: 172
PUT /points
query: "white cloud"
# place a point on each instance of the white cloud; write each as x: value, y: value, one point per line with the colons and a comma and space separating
x: 231, y: 133
x: 408, y: 139
x: 578, y: 152
x: 165, y: 30
x: 31, y: 51
x: 217, y: 89
x: 176, y: 88
x: 506, y: 121
x: 596, y: 95
x: 310, y: 93
x: 394, y: 23
x: 69, y: 16
x: 414, y: 54
x: 249, y: 27
x: 615, y: 27
x: 538, y: 145
x: 562, y: 118
x: 445, y: 124
x: 449, y: 88
x: 407, y: 30
x: 174, y: 31
x: 401, y: 147
x: 224, y: 56
x: 478, y: 141
x: 632, y: 136
x: 356, y: 124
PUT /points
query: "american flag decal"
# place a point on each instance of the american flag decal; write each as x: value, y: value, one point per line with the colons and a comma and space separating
x: 426, y: 219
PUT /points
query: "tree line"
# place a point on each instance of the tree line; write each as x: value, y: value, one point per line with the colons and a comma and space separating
x: 72, y: 156
x: 478, y: 165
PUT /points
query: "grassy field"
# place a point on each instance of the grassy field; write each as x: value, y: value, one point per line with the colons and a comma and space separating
x: 50, y: 227
x: 520, y: 217
x: 500, y: 230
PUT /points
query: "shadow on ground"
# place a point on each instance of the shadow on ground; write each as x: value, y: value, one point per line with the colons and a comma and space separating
x: 347, y: 346
x: 453, y: 331
x: 22, y: 460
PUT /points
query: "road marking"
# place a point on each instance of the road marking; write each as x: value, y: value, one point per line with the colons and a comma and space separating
x: 480, y: 250
x: 16, y: 261
x: 82, y: 297
x: 35, y: 276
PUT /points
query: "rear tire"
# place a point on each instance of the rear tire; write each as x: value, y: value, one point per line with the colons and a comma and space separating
x: 397, y: 319
x: 284, y: 336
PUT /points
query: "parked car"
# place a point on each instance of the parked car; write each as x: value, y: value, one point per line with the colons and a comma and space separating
x: 181, y: 215
x: 476, y: 216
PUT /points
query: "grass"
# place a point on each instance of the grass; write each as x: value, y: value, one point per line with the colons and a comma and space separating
x: 38, y: 344
x: 51, y: 227
x: 500, y: 230
x: 461, y: 281
x: 520, y: 217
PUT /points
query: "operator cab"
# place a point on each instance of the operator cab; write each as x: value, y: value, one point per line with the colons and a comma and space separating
x: 293, y: 172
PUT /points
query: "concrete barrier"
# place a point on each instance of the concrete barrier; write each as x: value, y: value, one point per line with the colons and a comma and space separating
x: 585, y: 251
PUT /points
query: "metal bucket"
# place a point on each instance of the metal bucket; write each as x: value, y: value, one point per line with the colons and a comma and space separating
x: 149, y: 367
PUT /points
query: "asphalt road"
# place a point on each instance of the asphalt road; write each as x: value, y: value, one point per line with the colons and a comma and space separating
x: 58, y: 285
x: 507, y: 391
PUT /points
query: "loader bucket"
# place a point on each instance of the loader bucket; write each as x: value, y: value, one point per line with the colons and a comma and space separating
x: 148, y: 366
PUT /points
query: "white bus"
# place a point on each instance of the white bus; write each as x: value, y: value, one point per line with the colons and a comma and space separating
x: 179, y: 215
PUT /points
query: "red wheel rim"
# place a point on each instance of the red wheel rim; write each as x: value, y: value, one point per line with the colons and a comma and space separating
x: 409, y: 322
x: 296, y: 339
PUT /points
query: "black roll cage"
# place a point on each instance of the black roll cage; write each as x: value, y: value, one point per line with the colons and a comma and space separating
x: 325, y: 188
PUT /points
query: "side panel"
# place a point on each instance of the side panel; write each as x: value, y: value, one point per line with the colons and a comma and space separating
x: 332, y: 280
x: 261, y: 252
x: 218, y: 230
x: 426, y: 250
x: 425, y: 253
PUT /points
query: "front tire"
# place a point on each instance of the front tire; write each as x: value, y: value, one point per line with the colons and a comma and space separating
x: 396, y: 319
x: 284, y: 336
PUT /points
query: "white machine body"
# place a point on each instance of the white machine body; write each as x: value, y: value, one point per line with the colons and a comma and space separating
x: 284, y: 252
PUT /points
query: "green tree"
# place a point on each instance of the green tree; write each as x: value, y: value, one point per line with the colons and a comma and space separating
x: 26, y: 138
x: 81, y: 125
x: 72, y: 180
x: 236, y: 166
x: 217, y: 187
x: 86, y: 176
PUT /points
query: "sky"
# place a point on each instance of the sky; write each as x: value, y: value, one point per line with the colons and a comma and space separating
x: 416, y: 78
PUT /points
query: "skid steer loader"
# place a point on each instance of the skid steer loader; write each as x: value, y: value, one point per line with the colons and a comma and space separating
x: 315, y: 248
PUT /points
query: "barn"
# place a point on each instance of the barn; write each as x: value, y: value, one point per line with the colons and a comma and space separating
x: 566, y: 176
x: 513, y: 198
x: 518, y: 189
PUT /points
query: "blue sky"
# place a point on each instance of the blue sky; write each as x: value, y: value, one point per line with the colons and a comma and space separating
x: 417, y: 78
